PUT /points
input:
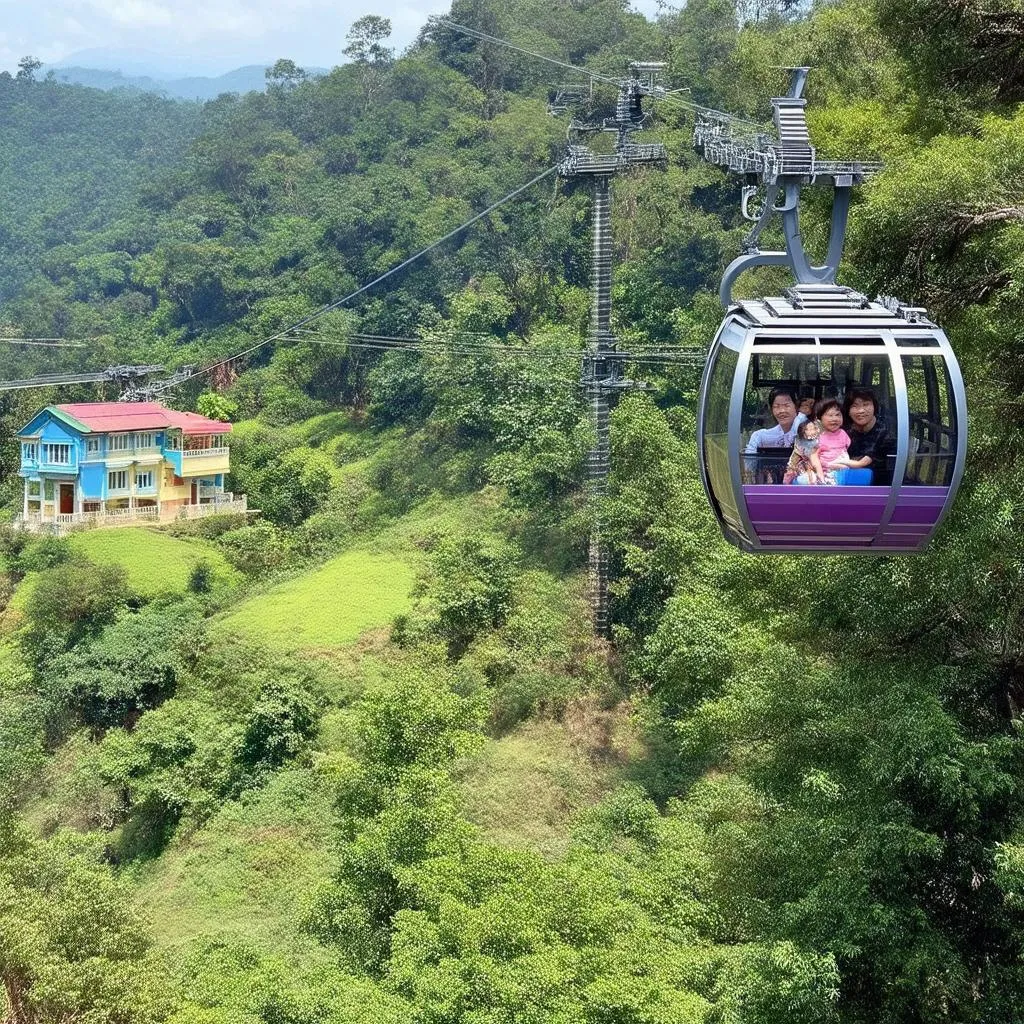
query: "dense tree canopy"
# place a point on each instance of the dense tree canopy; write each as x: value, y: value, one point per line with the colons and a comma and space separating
x: 810, y: 807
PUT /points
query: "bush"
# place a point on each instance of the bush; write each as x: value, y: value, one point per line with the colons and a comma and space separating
x: 293, y: 487
x: 209, y: 528
x: 283, y: 718
x: 133, y: 665
x: 79, y: 945
x: 70, y: 603
x: 255, y: 550
x: 45, y: 553
x: 12, y: 542
x: 470, y: 586
x: 216, y: 406
x: 200, y: 579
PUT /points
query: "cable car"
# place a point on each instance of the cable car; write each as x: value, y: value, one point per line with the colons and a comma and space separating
x: 814, y: 343
x: 881, y: 371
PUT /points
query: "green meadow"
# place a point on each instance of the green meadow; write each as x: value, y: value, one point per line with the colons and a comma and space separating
x: 155, y: 561
x: 330, y: 607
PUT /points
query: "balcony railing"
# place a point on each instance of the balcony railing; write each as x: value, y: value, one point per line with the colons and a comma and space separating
x: 63, y: 522
x: 116, y: 515
x: 112, y: 455
x: 204, y: 453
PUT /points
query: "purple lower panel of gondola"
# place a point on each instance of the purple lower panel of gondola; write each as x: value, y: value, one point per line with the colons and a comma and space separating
x: 843, y: 518
x: 917, y: 511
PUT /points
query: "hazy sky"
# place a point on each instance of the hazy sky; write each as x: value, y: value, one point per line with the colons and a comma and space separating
x: 200, y: 37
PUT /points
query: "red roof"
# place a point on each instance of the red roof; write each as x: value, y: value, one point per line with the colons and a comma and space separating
x: 107, y: 417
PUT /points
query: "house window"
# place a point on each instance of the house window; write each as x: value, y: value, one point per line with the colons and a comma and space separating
x: 174, y: 442
x: 144, y: 481
x: 57, y: 454
x: 48, y: 490
x: 33, y: 488
x: 29, y: 451
x: 143, y: 440
x: 120, y: 442
x: 92, y: 445
x: 117, y: 480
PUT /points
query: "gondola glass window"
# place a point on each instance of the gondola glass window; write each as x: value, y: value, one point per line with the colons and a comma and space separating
x: 819, y: 375
x: 896, y: 392
x: 717, y: 458
x: 931, y: 456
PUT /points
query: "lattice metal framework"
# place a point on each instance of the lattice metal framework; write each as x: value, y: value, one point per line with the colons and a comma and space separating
x: 601, y: 372
x: 123, y: 376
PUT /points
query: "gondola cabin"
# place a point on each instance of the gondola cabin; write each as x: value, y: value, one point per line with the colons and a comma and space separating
x: 885, y: 364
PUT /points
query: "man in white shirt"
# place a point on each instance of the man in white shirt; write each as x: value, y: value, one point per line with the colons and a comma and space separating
x: 783, y: 406
x: 782, y: 403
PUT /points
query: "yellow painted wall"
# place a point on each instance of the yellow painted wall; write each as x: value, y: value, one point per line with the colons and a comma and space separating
x: 166, y: 489
x: 205, y: 465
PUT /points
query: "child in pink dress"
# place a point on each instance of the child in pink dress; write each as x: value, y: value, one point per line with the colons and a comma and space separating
x: 834, y: 442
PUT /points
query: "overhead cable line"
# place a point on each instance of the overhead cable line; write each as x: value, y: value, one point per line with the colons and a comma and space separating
x: 377, y: 280
x: 667, y: 357
x: 47, y: 342
x: 486, y: 37
x: 671, y: 96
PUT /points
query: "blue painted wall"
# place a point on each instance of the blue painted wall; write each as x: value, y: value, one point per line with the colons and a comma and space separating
x: 93, y: 479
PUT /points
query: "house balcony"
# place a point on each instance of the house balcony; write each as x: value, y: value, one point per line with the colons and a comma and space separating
x: 151, y: 453
x: 30, y: 467
x: 124, y: 493
x: 199, y: 461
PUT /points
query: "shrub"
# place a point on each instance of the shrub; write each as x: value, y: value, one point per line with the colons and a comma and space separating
x: 200, y: 579
x: 71, y: 602
x: 255, y: 550
x: 45, y: 553
x: 134, y: 664
x: 283, y: 718
x: 293, y: 487
x: 470, y: 586
x: 78, y: 946
x: 216, y: 406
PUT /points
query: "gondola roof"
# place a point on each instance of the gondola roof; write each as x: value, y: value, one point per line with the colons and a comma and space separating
x: 830, y: 308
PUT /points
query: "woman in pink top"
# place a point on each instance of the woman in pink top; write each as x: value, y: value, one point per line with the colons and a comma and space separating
x: 833, y: 443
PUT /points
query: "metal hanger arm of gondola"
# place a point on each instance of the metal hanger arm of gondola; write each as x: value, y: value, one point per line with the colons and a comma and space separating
x: 795, y: 255
x: 787, y: 166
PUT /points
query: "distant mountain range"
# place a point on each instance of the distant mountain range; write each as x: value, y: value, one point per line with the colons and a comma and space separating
x: 135, y: 74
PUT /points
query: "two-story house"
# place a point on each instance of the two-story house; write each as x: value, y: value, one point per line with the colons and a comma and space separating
x: 94, y: 461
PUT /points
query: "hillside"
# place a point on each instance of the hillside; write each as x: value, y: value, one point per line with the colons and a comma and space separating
x: 360, y: 758
x: 247, y: 79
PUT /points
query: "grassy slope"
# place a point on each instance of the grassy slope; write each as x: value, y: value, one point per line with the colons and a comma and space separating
x: 329, y: 607
x: 246, y: 873
x: 524, y: 789
x: 155, y: 561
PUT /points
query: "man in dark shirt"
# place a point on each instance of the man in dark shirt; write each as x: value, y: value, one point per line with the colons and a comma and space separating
x: 870, y: 443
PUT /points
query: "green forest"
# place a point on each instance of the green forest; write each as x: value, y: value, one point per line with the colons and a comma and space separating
x: 360, y: 757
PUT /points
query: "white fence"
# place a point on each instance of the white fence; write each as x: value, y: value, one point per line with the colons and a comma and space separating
x: 64, y: 522
x: 229, y: 506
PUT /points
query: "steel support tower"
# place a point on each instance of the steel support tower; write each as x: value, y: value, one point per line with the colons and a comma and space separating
x: 601, y: 376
